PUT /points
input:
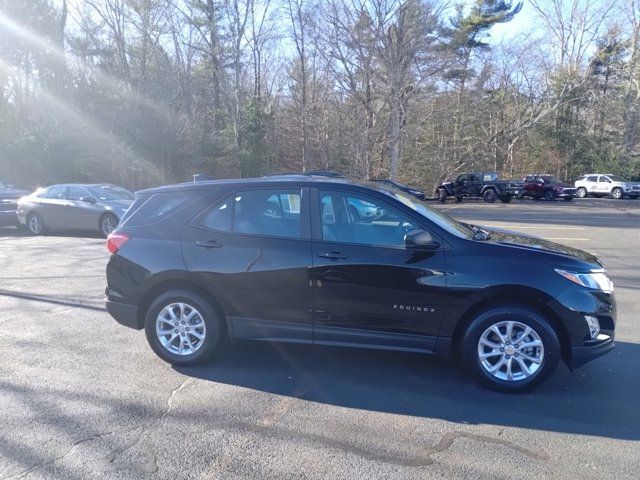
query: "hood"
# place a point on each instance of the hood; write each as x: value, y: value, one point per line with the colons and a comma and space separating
x: 11, y: 192
x: 116, y: 204
x: 519, y: 240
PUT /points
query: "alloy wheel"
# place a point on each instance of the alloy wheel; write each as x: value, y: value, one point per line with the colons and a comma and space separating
x: 582, y: 192
x: 109, y: 224
x: 181, y: 329
x: 617, y: 193
x: 510, y: 351
x: 36, y: 225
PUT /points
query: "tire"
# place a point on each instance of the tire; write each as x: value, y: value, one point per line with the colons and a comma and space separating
x: 489, y: 195
x: 35, y: 224
x: 581, y: 192
x: 568, y: 199
x: 549, y: 196
x: 458, y: 199
x: 210, y: 327
x: 442, y: 195
x: 520, y: 196
x: 523, y: 320
x: 617, y: 193
x: 107, y: 224
x: 505, y: 198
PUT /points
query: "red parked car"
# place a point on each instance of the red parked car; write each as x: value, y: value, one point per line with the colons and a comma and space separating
x: 542, y: 186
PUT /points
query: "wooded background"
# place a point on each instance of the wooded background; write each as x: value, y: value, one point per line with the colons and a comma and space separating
x: 147, y: 92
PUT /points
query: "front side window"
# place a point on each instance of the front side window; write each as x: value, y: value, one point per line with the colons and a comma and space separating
x: 268, y: 212
x: 603, y: 179
x: 352, y: 218
x: 76, y: 193
x: 57, y: 192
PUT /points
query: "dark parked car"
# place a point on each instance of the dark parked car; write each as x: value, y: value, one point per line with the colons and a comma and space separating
x: 486, y: 185
x: 416, y: 192
x: 283, y: 259
x: 9, y: 196
x: 74, y: 207
x: 542, y: 186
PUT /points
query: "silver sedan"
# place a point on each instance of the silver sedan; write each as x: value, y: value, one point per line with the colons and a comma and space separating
x: 74, y: 207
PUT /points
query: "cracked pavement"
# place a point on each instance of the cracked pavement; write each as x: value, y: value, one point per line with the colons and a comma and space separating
x: 83, y: 397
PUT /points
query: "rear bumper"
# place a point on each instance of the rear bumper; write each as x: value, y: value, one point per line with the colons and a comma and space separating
x: 8, y: 218
x: 581, y: 355
x: 124, y: 314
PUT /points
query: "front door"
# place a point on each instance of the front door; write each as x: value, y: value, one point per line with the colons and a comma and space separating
x: 252, y: 251
x: 369, y: 289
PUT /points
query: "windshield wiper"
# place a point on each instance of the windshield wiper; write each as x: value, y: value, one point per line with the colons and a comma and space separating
x: 479, y: 233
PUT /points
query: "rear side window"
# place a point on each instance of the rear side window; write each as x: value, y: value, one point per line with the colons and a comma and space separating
x: 57, y: 192
x: 155, y: 208
x: 268, y: 212
x: 219, y: 216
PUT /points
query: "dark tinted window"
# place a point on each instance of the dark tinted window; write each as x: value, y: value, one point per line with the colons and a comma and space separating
x: 56, y: 192
x: 592, y: 178
x: 274, y: 212
x: 219, y: 216
x: 158, y: 207
x: 357, y: 219
x: 76, y: 193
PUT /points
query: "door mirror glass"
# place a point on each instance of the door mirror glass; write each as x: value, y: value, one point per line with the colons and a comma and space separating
x: 420, y: 240
x: 87, y: 199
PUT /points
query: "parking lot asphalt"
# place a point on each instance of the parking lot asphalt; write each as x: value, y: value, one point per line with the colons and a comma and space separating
x: 83, y: 397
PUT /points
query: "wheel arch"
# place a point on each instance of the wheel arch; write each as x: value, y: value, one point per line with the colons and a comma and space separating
x: 512, y: 296
x: 168, y: 285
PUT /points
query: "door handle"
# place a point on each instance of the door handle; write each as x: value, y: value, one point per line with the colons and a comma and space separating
x: 332, y: 255
x: 208, y: 244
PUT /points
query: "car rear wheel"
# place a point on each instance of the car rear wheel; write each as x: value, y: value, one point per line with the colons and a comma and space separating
x: 549, y: 196
x: 442, y: 195
x: 581, y: 192
x: 505, y: 198
x: 108, y: 223
x: 568, y: 199
x: 489, y: 196
x: 35, y: 224
x: 182, y: 328
x: 616, y: 193
x: 510, y: 348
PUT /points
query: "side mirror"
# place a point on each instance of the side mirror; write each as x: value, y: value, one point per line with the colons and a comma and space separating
x: 87, y: 199
x: 420, y: 240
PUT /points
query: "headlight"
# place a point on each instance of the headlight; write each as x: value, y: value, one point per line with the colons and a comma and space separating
x: 598, y: 279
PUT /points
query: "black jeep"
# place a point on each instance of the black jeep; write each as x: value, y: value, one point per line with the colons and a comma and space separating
x: 477, y: 184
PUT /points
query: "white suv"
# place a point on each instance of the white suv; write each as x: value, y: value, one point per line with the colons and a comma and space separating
x: 599, y: 185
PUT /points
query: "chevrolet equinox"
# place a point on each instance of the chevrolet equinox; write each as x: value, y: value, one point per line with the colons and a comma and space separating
x: 332, y: 261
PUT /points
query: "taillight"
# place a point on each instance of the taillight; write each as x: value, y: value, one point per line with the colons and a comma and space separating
x: 115, y: 241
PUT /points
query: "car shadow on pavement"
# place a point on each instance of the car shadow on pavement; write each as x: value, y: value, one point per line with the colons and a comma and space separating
x: 600, y: 399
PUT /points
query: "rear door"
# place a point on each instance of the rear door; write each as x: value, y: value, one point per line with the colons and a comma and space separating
x: 53, y: 207
x: 252, y: 251
x: 369, y: 289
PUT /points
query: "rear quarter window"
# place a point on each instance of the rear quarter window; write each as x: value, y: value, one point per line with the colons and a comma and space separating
x: 152, y: 208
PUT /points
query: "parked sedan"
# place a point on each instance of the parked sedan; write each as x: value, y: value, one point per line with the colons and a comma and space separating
x: 74, y: 207
x: 9, y: 196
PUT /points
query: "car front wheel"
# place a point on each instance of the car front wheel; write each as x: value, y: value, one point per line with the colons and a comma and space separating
x: 35, y: 224
x: 442, y: 195
x: 108, y: 223
x: 182, y: 328
x: 616, y: 193
x: 510, y: 348
x: 549, y: 196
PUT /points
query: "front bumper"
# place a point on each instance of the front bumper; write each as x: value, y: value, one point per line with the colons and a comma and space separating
x: 124, y: 314
x: 599, y: 347
x: 566, y: 193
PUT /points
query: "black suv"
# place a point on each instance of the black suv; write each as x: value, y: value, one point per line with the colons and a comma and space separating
x: 286, y: 259
x: 486, y: 185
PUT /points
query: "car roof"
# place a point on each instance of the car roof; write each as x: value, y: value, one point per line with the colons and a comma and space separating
x: 273, y: 180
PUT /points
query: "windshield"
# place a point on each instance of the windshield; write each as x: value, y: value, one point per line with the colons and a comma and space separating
x: 617, y: 178
x: 108, y: 193
x: 551, y: 179
x: 441, y: 219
